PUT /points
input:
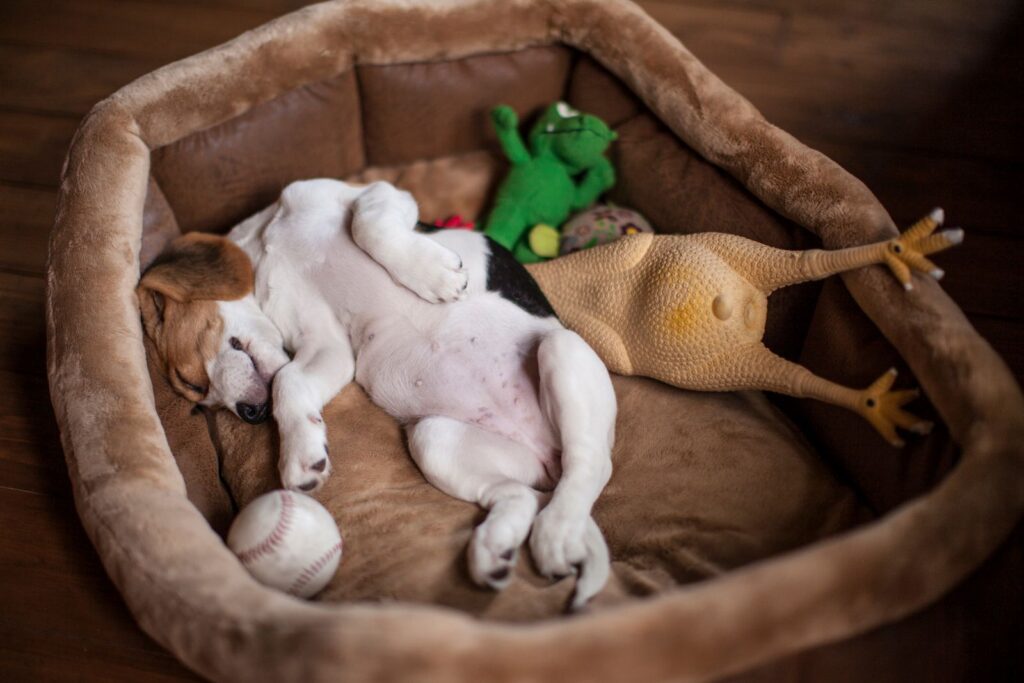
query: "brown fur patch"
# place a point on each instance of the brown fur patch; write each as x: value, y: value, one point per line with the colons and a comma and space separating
x: 177, y: 298
x: 186, y: 335
x: 198, y: 266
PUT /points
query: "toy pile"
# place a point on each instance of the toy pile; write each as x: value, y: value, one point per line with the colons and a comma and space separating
x: 559, y: 170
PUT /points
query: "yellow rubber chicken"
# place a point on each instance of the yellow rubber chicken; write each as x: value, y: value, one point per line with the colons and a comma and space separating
x: 690, y: 310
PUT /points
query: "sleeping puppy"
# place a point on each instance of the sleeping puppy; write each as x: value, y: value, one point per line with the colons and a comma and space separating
x: 502, y: 405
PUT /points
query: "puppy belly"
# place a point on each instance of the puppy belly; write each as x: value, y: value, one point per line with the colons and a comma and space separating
x: 493, y: 386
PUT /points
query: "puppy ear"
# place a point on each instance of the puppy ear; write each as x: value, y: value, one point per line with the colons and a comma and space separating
x: 151, y: 304
x: 196, y: 267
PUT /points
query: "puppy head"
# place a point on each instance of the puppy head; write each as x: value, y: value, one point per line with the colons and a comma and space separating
x: 215, y: 345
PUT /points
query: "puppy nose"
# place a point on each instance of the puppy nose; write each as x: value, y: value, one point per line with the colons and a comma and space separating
x: 253, y: 414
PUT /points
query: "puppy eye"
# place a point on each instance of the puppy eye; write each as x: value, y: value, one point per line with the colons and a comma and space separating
x: 192, y: 387
x: 235, y: 343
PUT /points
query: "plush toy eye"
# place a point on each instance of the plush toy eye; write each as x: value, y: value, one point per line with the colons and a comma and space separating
x: 565, y: 111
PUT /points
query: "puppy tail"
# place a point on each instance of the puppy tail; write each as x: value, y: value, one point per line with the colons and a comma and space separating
x: 596, y: 567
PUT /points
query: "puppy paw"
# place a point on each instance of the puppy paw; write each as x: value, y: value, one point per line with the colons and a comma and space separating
x: 557, y: 542
x: 305, y: 462
x: 434, y: 272
x: 493, y: 551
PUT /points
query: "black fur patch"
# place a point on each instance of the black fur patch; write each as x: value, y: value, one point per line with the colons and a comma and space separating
x: 510, y: 279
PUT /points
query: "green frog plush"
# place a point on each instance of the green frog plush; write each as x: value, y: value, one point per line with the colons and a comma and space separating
x: 563, y: 170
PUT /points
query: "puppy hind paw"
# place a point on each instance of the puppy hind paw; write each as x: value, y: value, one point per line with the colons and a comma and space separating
x: 557, y: 543
x: 493, y: 553
x: 596, y: 569
x: 435, y: 273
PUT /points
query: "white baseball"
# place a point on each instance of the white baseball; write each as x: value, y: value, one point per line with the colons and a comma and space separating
x: 287, y: 541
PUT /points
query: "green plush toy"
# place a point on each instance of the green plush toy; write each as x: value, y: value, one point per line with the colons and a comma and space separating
x: 564, y: 170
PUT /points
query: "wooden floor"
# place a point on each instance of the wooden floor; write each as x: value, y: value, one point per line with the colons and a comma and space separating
x: 922, y: 99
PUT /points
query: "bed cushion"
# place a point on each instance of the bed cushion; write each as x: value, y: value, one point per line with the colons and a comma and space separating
x: 702, y: 483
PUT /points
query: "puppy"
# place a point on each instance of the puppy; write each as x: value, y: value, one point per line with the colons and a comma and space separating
x: 503, y: 406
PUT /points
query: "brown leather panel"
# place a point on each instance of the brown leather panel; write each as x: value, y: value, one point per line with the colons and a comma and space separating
x: 217, y: 177
x: 594, y: 90
x: 843, y: 345
x: 159, y: 226
x: 427, y: 110
x: 680, y: 192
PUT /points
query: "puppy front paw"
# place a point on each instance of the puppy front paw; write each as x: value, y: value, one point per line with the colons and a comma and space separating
x: 434, y: 272
x: 305, y: 462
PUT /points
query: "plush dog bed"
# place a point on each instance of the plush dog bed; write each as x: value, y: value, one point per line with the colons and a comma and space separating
x: 745, y: 532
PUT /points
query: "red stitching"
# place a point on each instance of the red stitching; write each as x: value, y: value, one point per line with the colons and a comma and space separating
x: 276, y: 536
x: 312, y: 570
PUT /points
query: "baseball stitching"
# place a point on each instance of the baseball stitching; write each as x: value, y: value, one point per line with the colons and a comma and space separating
x: 271, y: 542
x: 312, y: 570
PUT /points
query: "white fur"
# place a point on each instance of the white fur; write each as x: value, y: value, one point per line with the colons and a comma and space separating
x: 500, y: 406
x: 243, y: 376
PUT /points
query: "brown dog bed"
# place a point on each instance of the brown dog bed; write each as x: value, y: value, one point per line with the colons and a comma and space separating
x: 744, y: 532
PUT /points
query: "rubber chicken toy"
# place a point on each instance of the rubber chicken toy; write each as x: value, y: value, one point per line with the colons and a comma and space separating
x: 690, y: 310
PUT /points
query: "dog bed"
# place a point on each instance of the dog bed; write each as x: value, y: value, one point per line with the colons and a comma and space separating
x: 763, y: 540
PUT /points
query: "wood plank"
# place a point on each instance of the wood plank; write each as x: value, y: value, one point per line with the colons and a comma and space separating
x: 926, y: 16
x: 750, y: 37
x: 30, y: 454
x: 32, y: 147
x: 982, y: 275
x: 1007, y: 337
x: 862, y: 79
x: 275, y: 7
x: 62, y: 617
x: 156, y: 30
x: 23, y: 342
x: 872, y: 114
x: 63, y: 81
x: 976, y: 194
x: 31, y: 459
x: 31, y: 659
x: 26, y: 218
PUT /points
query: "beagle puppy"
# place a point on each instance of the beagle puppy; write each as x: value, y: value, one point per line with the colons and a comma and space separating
x: 503, y: 406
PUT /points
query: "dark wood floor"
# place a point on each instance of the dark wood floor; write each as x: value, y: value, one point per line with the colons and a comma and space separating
x: 922, y: 99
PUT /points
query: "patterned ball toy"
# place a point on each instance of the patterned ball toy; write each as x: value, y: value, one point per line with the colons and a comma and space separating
x: 601, y: 224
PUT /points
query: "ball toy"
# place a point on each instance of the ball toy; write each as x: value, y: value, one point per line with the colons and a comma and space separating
x: 543, y: 240
x: 599, y: 225
x: 287, y: 541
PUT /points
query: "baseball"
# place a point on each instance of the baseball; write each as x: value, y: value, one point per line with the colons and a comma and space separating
x: 287, y: 541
